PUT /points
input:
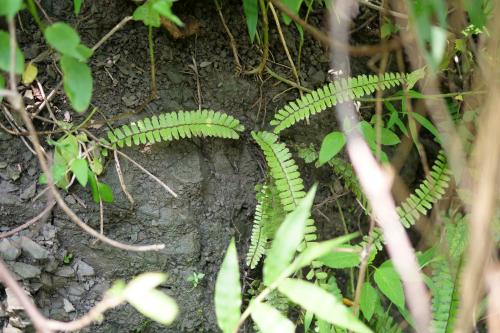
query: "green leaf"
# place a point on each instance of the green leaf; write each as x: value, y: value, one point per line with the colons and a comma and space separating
x: 368, y: 301
x: 294, y: 6
x: 320, y: 250
x: 270, y: 320
x: 388, y: 137
x: 77, y: 5
x: 288, y: 237
x: 251, y: 10
x: 341, y: 259
x: 147, y: 14
x: 389, y: 283
x: 9, y: 8
x: 368, y: 133
x: 5, y: 54
x: 77, y: 82
x: 105, y: 192
x: 29, y: 73
x: 164, y: 7
x: 62, y: 37
x: 228, y: 291
x: 152, y: 303
x: 427, y: 124
x: 323, y: 304
x: 80, y: 169
x: 331, y: 146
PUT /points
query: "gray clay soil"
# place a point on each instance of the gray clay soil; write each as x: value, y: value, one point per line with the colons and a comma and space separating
x: 214, y: 178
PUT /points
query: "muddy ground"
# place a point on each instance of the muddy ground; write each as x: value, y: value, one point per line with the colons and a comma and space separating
x: 214, y: 178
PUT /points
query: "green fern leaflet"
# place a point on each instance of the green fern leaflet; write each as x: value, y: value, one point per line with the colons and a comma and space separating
x: 430, y: 191
x: 337, y: 92
x: 175, y: 126
x: 286, y: 177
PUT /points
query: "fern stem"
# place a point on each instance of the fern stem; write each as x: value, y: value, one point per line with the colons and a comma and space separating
x: 154, y: 91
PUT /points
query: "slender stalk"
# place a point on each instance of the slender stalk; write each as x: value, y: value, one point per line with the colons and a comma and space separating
x: 154, y: 91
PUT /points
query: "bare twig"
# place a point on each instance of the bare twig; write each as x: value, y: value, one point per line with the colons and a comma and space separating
x: 358, y: 50
x: 232, y: 41
x: 377, y: 182
x: 111, y: 32
x: 120, y: 178
x: 39, y: 217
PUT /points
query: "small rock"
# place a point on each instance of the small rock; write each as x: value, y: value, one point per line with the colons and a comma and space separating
x: 65, y: 271
x: 29, y: 192
x: 75, y: 289
x: 11, y: 329
x: 25, y: 271
x: 49, y: 231
x: 34, y: 250
x: 13, y: 303
x: 6, y: 187
x: 84, y: 269
x: 8, y: 250
x: 51, y: 266
x: 68, y: 307
x: 70, y: 200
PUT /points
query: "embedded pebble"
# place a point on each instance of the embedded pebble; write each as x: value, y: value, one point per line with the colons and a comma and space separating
x: 25, y: 271
x: 8, y: 250
x: 34, y: 250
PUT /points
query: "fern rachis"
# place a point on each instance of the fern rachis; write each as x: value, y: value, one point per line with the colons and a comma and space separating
x: 175, y: 126
x: 337, y: 92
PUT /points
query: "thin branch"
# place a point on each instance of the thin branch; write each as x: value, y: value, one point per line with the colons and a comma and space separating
x: 377, y: 182
x: 358, y: 50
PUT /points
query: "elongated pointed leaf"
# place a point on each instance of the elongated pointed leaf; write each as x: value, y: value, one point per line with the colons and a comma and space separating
x: 288, y: 237
x: 323, y: 304
x: 270, y: 320
x: 251, y: 10
x: 319, y: 250
x: 228, y: 291
x: 341, y: 259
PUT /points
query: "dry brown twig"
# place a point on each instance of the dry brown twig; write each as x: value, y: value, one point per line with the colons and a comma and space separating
x: 377, y: 182
x: 40, y: 217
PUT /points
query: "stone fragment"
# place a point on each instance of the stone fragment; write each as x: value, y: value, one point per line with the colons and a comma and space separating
x: 34, y: 250
x: 8, y: 250
x: 13, y: 303
x: 68, y: 307
x: 29, y: 192
x: 11, y: 329
x: 25, y: 271
x: 65, y: 271
x: 83, y: 269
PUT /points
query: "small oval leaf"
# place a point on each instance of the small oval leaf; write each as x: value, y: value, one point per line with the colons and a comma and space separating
x: 30, y: 73
x: 80, y: 168
x: 388, y: 281
x: 331, y: 146
x: 5, y: 54
x: 62, y: 37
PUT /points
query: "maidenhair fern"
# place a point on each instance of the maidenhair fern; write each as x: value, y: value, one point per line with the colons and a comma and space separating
x: 286, y: 177
x: 175, y: 126
x: 428, y: 193
x: 345, y: 171
x: 268, y: 217
x: 384, y: 323
x: 337, y: 92
x: 446, y: 274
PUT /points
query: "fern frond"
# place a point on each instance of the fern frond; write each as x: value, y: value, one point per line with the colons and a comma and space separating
x: 258, y: 240
x: 337, y: 92
x: 175, y: 126
x: 428, y: 193
x: 444, y: 292
x: 345, y: 171
x: 384, y: 323
x: 286, y: 177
